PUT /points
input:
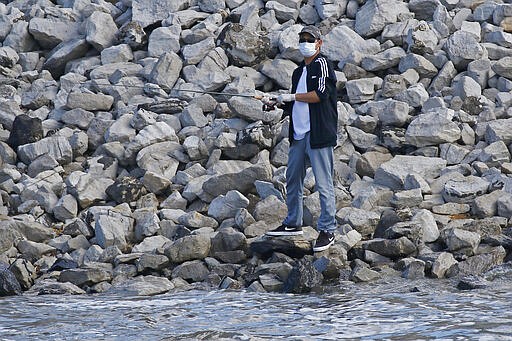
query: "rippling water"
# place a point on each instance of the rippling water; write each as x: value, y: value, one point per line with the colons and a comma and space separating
x: 351, y: 311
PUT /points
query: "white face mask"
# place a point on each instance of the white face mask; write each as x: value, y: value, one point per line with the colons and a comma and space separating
x: 307, y: 49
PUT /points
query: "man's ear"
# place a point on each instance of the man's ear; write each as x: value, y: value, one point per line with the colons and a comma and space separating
x: 319, y: 42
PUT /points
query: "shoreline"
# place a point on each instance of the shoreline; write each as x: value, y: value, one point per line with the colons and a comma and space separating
x: 115, y: 178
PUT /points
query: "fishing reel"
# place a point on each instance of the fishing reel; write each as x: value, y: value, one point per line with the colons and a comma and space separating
x: 269, y: 104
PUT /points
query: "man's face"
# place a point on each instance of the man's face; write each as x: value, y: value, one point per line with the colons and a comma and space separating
x: 306, y: 38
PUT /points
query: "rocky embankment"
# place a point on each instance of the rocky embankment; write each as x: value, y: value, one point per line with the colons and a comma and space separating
x: 116, y: 179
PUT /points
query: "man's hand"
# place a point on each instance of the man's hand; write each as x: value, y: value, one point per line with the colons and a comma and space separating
x: 267, y: 99
x: 281, y: 99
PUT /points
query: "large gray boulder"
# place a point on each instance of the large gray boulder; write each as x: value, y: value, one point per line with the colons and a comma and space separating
x: 64, y: 53
x: 111, y: 230
x: 303, y: 277
x: 374, y: 15
x: 87, y: 277
x: 147, y: 12
x: 142, y: 286
x: 51, y: 32
x: 56, y: 146
x: 166, y: 71
x: 431, y: 129
x: 464, y: 190
x: 363, y: 221
x: 393, y: 248
x: 245, y: 47
x: 89, y: 101
x: 394, y: 172
x: 9, y: 285
x: 226, y: 206
x: 462, y: 48
x: 352, y: 42
x: 189, y: 248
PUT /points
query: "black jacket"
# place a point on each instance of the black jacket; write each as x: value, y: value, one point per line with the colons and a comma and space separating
x: 323, y: 115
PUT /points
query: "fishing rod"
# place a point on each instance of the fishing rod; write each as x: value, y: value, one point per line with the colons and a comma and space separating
x: 268, y: 105
x: 204, y: 92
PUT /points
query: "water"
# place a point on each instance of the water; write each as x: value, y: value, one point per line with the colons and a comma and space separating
x: 352, y: 311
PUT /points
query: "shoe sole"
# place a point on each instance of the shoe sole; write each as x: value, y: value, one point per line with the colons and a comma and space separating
x: 277, y: 234
x: 323, y: 248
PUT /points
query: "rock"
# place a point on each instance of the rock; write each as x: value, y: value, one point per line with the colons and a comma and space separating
x: 479, y: 263
x: 457, y: 239
x: 464, y: 190
x: 363, y: 274
x: 25, y: 130
x: 146, y: 223
x: 196, y: 220
x: 472, y: 282
x: 66, y: 208
x: 33, y: 251
x: 245, y: 47
x: 56, y: 146
x: 373, y: 16
x: 125, y: 189
x: 499, y: 130
x: 152, y: 262
x: 440, y: 263
x: 428, y: 225
x: 189, y: 248
x: 150, y: 244
x: 229, y: 246
x: 363, y: 221
x: 9, y: 285
x: 166, y: 71
x: 419, y: 63
x: 421, y: 39
x: 241, y: 179
x: 8, y: 56
x: 250, y: 110
x: 486, y: 205
x: 412, y: 268
x: 25, y: 273
x: 116, y: 54
x: 431, y: 129
x: 110, y: 230
x: 63, y: 264
x: 393, y: 248
x: 393, y: 173
x: 224, y: 207
x: 270, y: 209
x: 362, y: 90
x: 195, y: 271
x: 142, y: 286
x: 383, y: 60
x: 82, y: 277
x: 57, y: 288
x: 100, y: 30
x: 352, y: 42
x: 89, y: 101
x: 50, y: 32
x: 467, y: 87
x: 87, y: 188
x: 290, y: 246
x: 279, y: 70
x: 303, y: 277
x: 502, y: 67
x: 462, y: 48
x: 64, y: 53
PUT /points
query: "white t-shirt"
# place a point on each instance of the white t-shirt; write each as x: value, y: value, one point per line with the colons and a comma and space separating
x: 300, y: 111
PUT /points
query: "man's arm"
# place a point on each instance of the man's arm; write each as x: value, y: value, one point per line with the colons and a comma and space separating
x: 308, y: 97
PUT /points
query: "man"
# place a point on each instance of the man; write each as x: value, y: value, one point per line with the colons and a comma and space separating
x: 312, y: 134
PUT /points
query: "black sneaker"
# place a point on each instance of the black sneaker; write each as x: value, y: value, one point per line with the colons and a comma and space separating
x: 285, y: 230
x: 324, y: 241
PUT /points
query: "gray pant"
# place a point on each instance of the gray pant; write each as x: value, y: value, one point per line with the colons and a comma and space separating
x: 321, y: 161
